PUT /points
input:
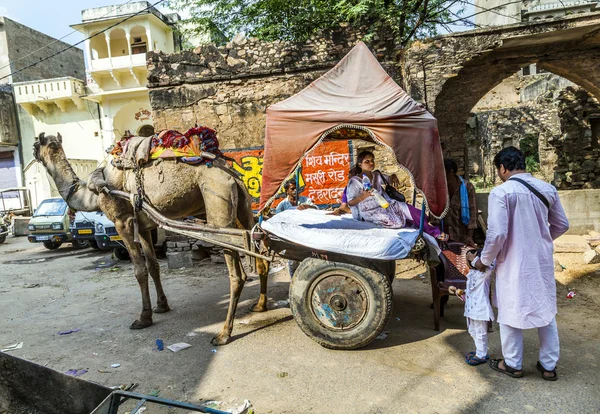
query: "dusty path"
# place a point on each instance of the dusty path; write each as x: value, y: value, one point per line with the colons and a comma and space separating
x: 271, y: 362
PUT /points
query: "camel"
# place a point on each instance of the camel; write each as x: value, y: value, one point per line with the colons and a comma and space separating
x: 176, y: 190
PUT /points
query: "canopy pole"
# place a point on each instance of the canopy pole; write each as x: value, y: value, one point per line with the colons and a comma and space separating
x: 298, y: 185
x: 422, y: 224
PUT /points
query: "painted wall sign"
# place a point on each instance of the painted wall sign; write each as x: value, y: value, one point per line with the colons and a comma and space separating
x: 143, y: 115
x: 323, y: 175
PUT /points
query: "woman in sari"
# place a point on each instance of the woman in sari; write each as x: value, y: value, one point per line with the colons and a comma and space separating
x: 365, y: 207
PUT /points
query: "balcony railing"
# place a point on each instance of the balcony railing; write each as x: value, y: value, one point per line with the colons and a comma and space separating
x: 48, y: 90
x: 560, y: 5
x: 118, y: 62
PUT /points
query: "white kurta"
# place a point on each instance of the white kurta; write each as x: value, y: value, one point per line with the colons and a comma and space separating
x: 519, y: 237
x: 477, y: 303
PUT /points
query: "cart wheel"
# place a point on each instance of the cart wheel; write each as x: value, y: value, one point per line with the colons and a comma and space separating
x: 339, y: 305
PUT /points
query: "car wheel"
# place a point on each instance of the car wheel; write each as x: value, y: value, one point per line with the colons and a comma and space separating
x: 52, y: 245
x: 2, y: 238
x: 80, y: 244
x: 121, y: 253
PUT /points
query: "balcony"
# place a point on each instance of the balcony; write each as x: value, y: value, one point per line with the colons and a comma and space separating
x: 47, y: 93
x: 119, y: 68
x: 119, y: 62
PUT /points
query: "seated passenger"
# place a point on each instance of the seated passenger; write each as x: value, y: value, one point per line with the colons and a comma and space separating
x: 290, y: 201
x: 365, y: 207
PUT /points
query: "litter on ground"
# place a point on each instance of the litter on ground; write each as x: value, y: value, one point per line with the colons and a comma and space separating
x: 12, y: 347
x: 178, y: 347
x: 69, y: 332
x: 76, y: 372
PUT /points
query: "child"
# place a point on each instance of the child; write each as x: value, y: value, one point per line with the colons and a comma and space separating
x: 478, y: 309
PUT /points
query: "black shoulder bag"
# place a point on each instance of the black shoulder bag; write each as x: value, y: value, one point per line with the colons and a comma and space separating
x: 533, y: 190
x: 391, y: 191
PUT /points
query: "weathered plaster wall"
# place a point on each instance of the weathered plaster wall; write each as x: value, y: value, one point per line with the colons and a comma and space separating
x: 8, y: 121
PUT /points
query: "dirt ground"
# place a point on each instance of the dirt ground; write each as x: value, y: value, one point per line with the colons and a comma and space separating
x: 270, y: 361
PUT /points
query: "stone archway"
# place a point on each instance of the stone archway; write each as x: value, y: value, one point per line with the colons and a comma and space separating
x: 450, y: 74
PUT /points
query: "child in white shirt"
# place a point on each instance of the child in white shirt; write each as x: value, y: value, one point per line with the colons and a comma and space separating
x: 478, y: 310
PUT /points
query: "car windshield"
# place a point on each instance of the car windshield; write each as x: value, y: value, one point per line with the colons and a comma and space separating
x: 51, y: 208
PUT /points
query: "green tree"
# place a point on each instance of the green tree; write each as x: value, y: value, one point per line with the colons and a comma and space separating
x: 297, y: 20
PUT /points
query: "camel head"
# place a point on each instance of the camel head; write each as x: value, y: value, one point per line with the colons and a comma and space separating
x: 44, y: 146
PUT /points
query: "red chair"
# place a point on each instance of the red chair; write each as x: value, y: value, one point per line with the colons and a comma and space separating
x: 452, y: 271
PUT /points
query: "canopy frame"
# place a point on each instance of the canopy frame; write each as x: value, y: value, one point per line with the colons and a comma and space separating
x: 377, y: 141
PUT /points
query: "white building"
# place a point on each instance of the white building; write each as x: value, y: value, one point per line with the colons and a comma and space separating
x: 56, y: 106
x: 92, y: 115
x: 116, y: 62
x: 501, y: 12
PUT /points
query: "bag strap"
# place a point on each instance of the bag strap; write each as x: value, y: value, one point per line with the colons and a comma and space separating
x: 383, y: 178
x: 533, y: 190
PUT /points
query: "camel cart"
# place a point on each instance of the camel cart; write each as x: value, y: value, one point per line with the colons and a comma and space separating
x: 341, y: 294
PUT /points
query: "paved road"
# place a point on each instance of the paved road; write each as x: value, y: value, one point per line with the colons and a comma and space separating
x: 271, y: 362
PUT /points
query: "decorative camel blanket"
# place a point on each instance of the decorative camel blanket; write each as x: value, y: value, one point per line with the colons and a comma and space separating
x: 188, y: 147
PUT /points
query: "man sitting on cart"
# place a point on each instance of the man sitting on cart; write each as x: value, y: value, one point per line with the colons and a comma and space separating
x: 292, y: 201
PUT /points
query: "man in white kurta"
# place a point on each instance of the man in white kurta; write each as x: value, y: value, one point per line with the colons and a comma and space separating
x: 520, y: 233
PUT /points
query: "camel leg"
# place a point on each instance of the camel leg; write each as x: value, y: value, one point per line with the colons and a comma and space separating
x: 262, y: 267
x: 236, y: 284
x: 162, y: 304
x: 125, y: 230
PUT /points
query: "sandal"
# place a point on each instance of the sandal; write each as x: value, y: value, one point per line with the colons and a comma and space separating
x: 511, y: 372
x: 472, y: 359
x: 543, y: 371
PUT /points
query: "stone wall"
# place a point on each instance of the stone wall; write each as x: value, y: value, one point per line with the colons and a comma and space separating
x: 451, y: 73
x: 229, y: 88
x: 558, y: 123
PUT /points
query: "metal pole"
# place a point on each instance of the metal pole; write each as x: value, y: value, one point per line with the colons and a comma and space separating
x: 298, y: 185
x: 422, y: 224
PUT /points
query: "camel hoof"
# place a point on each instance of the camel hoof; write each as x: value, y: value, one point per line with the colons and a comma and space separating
x: 259, y: 308
x: 161, y: 309
x: 220, y: 340
x: 141, y: 324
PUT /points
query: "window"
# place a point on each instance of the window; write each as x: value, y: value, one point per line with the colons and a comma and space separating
x: 146, y: 131
x: 526, y: 70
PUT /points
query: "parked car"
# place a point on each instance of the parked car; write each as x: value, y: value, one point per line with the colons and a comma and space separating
x: 84, y: 227
x: 106, y: 237
x: 3, y: 231
x: 50, y: 224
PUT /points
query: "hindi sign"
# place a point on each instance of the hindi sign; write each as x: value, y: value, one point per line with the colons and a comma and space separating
x: 323, y: 175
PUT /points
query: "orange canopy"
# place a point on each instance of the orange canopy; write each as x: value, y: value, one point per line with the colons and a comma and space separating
x: 356, y: 93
